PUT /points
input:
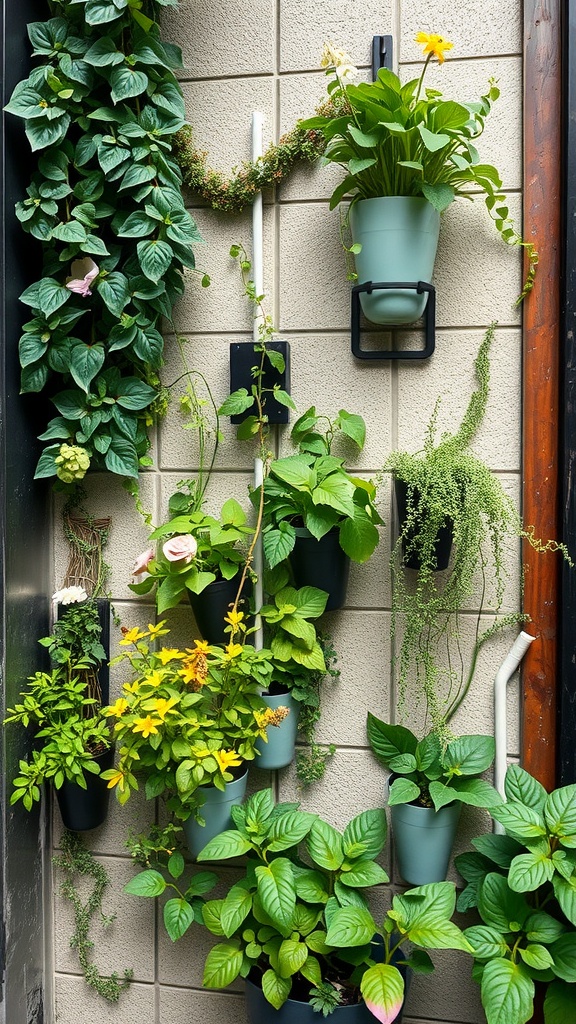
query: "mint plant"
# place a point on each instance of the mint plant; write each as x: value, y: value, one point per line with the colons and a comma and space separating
x: 523, y: 885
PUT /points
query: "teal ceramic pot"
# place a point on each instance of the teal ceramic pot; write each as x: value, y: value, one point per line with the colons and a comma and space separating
x: 294, y: 1012
x: 216, y: 812
x: 279, y: 750
x: 423, y: 840
x: 399, y: 238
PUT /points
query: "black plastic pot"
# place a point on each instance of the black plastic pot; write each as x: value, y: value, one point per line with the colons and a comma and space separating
x: 84, y: 809
x: 321, y: 563
x: 443, y: 545
x: 212, y: 605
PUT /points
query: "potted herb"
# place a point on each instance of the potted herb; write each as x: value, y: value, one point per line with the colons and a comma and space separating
x: 71, y: 744
x: 522, y: 884
x: 187, y: 724
x: 407, y: 154
x: 431, y: 779
x: 317, y: 514
x: 197, y: 554
x: 297, y: 925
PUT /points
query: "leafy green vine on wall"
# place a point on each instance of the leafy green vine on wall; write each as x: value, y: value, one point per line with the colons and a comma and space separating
x: 101, y: 107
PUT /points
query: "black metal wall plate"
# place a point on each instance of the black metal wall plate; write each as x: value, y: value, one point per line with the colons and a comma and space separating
x: 429, y: 321
x: 382, y: 54
x: 243, y: 356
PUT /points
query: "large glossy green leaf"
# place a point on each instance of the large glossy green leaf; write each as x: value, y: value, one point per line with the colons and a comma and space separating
x: 85, y: 362
x: 387, y: 741
x: 363, y: 874
x: 223, y: 965
x: 469, y: 755
x: 291, y: 957
x: 486, y: 942
x: 275, y: 988
x: 277, y: 891
x: 350, y: 926
x: 225, y: 845
x: 294, y: 470
x: 529, y: 871
x: 365, y: 835
x: 359, y: 536
x: 500, y: 906
x: 565, y: 891
x: 559, y: 1003
x: 325, y: 845
x: 560, y: 812
x: 522, y: 787
x: 289, y: 829
x: 403, y: 791
x: 235, y: 909
x: 155, y: 258
x: 146, y: 883
x: 178, y: 916
x: 507, y: 992
x: 518, y: 820
x: 126, y: 82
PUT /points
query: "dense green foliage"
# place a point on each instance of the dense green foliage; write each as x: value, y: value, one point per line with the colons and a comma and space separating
x: 101, y: 108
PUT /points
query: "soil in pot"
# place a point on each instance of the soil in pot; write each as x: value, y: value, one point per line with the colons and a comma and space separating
x: 321, y: 563
x: 85, y: 809
x: 443, y: 544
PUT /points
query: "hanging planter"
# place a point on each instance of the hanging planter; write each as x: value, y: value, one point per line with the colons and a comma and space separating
x: 423, y: 841
x: 321, y: 563
x: 398, y: 236
x: 84, y: 809
x: 410, y: 546
x: 293, y: 1011
x: 212, y: 605
x: 278, y: 752
x: 216, y: 811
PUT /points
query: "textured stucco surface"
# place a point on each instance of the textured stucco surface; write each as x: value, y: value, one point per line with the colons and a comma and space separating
x: 265, y: 55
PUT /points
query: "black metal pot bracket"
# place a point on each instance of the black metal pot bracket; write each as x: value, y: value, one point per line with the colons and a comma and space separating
x: 381, y: 54
x: 429, y: 321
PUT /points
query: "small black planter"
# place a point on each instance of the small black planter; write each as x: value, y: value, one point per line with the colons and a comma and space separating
x: 443, y: 545
x: 84, y: 809
x: 212, y: 605
x: 294, y: 1012
x: 321, y: 563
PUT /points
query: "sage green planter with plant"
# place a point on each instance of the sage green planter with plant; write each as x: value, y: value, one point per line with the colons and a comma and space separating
x: 297, y: 923
x: 431, y: 780
x: 407, y: 154
x: 523, y: 885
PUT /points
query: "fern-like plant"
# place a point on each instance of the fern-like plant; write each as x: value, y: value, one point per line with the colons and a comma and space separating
x: 447, y: 484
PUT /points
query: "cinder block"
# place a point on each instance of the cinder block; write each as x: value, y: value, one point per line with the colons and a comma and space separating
x: 476, y: 31
x: 218, y: 41
x: 221, y: 115
x: 318, y: 300
x: 78, y: 1004
x: 190, y: 1006
x: 304, y: 29
x: 449, y: 992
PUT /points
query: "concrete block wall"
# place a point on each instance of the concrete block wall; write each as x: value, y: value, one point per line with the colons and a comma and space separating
x: 264, y: 54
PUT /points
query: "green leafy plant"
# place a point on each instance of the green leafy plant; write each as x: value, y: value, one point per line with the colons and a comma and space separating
x: 430, y: 772
x: 313, y: 489
x: 187, y: 719
x: 75, y: 860
x: 207, y: 549
x: 101, y: 108
x: 446, y: 483
x: 297, y: 921
x: 63, y: 708
x: 407, y: 140
x: 523, y: 885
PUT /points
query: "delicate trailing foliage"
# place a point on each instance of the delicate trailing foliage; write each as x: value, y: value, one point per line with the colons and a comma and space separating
x: 523, y: 884
x: 101, y: 107
x: 299, y: 919
x: 431, y: 773
x: 77, y: 860
x: 233, y: 194
x: 407, y: 140
x: 447, y: 483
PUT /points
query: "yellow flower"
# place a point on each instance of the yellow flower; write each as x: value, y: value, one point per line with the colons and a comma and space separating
x: 200, y: 647
x: 434, y: 45
x: 169, y: 654
x: 163, y: 707
x: 232, y: 651
x: 131, y: 687
x: 153, y: 678
x: 116, y: 780
x: 227, y: 759
x: 234, y: 618
x: 117, y: 709
x: 157, y: 630
x: 147, y: 726
x: 131, y: 636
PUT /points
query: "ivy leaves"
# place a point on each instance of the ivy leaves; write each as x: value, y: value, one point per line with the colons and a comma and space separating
x: 102, y: 108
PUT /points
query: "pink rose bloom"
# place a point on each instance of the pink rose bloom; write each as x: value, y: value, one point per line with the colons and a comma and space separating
x: 141, y: 563
x: 180, y: 549
x: 81, y: 285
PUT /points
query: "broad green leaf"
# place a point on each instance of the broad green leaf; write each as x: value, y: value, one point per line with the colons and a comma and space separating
x: 507, y: 992
x: 127, y: 82
x: 440, y: 196
x: 382, y: 989
x: 536, y: 956
x: 387, y: 741
x: 311, y: 886
x: 523, y: 788
x: 500, y: 849
x: 289, y: 829
x: 564, y: 954
x: 278, y: 544
x: 565, y: 892
x: 294, y: 470
x: 291, y: 957
x: 235, y: 909
x: 500, y: 906
x: 363, y: 874
x: 122, y: 458
x: 541, y: 927
x: 275, y: 988
x: 474, y: 792
x: 223, y: 965
x: 359, y: 537
x: 469, y: 755
x: 178, y: 916
x: 336, y: 491
x: 325, y: 846
x: 350, y: 926
x: 560, y: 811
x: 155, y: 258
x: 276, y: 889
x: 146, y: 883
x: 365, y: 835
x: 85, y: 362
x: 403, y: 791
x: 486, y: 942
x: 558, y: 1003
x: 433, y: 140
x: 114, y: 292
x: 353, y: 426
x: 356, y: 166
x: 222, y: 847
x: 529, y: 871
x: 521, y: 821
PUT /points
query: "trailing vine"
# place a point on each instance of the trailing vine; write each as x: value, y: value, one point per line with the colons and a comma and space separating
x: 101, y: 107
x: 75, y: 861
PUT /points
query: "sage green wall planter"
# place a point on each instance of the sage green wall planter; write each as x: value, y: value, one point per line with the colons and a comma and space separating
x: 216, y: 811
x: 423, y: 840
x: 279, y: 750
x: 399, y: 238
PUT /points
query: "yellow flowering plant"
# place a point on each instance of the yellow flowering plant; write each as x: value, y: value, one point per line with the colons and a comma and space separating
x: 187, y: 718
x: 408, y: 140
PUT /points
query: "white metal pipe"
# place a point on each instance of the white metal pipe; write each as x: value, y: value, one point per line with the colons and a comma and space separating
x: 503, y: 675
x: 258, y: 278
